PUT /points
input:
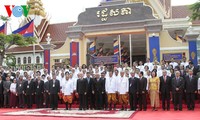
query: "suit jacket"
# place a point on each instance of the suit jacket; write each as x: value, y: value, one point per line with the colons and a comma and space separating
x: 133, y: 82
x: 178, y: 84
x: 20, y: 87
x: 6, y: 86
x: 39, y: 87
x: 46, y: 86
x: 54, y: 88
x: 191, y: 85
x: 142, y: 84
x: 99, y: 85
x: 90, y: 85
x: 29, y: 88
x: 104, y: 84
x: 1, y: 87
x: 81, y: 86
x: 165, y: 86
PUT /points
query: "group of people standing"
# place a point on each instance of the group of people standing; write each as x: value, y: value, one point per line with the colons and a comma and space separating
x: 102, y: 87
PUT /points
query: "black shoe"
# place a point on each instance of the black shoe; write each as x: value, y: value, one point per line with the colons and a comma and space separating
x: 53, y: 109
x: 180, y: 109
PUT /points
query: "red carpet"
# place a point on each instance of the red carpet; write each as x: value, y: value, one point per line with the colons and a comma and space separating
x: 143, y: 115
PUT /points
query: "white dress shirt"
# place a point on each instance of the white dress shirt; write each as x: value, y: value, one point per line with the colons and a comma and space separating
x: 123, y: 85
x: 67, y: 87
x: 111, y: 85
x: 13, y: 87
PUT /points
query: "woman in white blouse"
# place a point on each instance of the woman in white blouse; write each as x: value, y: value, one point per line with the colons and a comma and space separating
x: 13, y: 95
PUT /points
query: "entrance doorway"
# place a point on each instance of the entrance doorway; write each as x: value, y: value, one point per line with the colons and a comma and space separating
x: 105, y: 46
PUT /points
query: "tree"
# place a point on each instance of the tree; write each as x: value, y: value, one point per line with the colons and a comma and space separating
x: 195, y: 11
x: 6, y: 41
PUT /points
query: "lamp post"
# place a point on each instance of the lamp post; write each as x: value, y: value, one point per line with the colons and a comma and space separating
x: 48, y: 39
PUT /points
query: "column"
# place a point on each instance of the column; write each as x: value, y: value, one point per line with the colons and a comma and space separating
x: 193, y: 52
x: 47, y: 59
x: 192, y: 42
x: 153, y: 45
x: 78, y: 51
x: 74, y: 52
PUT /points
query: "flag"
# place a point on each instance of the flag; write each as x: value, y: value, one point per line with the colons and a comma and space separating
x: 3, y: 28
x: 26, y: 30
x: 179, y: 38
x: 116, y: 47
x: 92, y: 48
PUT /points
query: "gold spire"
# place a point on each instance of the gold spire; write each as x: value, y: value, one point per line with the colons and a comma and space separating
x: 36, y: 8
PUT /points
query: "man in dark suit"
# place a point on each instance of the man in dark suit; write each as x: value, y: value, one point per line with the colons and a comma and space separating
x: 6, y: 92
x: 29, y: 91
x: 165, y: 88
x: 142, y: 84
x: 190, y: 89
x: 98, y: 90
x: 104, y: 95
x: 90, y: 92
x: 54, y: 89
x: 39, y: 90
x: 20, y: 91
x: 177, y: 89
x: 133, y: 81
x: 81, y: 90
x: 46, y: 92
x: 1, y: 92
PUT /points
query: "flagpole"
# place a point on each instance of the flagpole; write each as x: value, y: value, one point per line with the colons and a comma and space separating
x: 33, y: 46
x: 130, y: 43
x: 120, y: 60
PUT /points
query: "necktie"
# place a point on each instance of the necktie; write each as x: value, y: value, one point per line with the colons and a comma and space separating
x: 190, y: 78
x: 165, y: 79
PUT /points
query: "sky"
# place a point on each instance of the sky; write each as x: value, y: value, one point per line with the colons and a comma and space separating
x: 63, y: 10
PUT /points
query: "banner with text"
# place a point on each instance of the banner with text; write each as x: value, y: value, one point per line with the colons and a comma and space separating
x: 105, y: 59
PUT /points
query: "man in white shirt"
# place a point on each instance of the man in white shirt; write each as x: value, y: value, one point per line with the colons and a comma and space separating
x: 184, y: 62
x: 67, y: 91
x: 140, y: 66
x: 149, y: 64
x: 173, y: 63
x: 111, y: 90
x: 122, y: 88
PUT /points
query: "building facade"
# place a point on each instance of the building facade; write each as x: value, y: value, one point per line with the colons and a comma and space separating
x: 144, y: 28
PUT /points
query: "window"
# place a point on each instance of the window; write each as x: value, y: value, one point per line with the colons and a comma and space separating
x: 57, y: 60
x: 37, y: 59
x: 18, y: 60
x: 24, y: 60
x: 29, y: 60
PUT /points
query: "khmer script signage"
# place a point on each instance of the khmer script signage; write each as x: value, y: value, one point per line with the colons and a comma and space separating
x: 105, y: 59
x: 176, y: 56
x: 115, y: 13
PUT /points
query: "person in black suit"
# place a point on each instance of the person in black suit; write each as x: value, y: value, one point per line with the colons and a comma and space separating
x: 177, y: 89
x: 39, y: 90
x: 81, y: 89
x: 133, y: 82
x: 104, y: 95
x: 54, y: 89
x: 165, y: 88
x: 90, y: 92
x: 98, y: 90
x: 190, y: 89
x: 29, y: 91
x: 141, y: 86
x: 46, y: 92
x: 20, y: 91
x: 1, y: 92
x: 6, y: 92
